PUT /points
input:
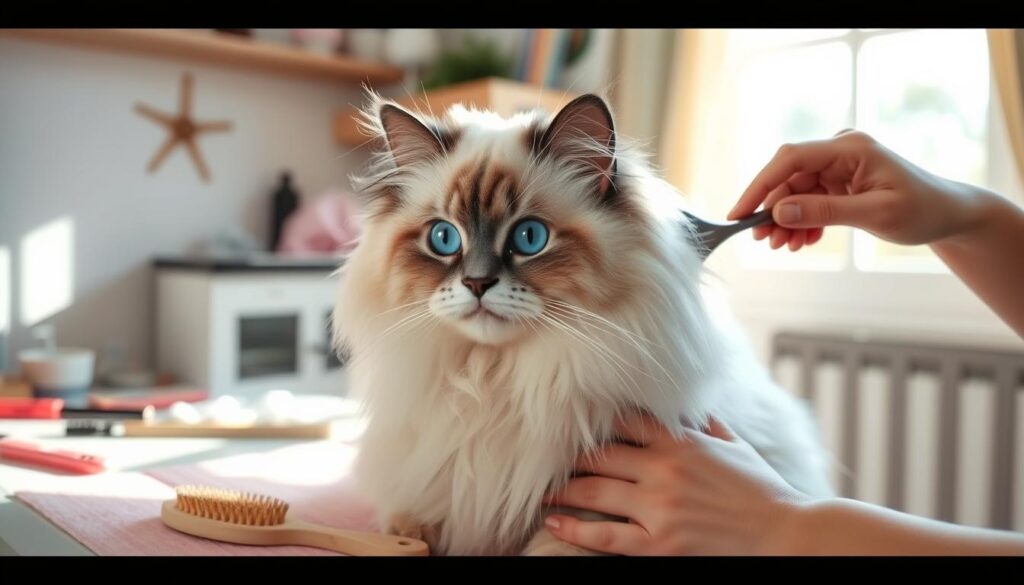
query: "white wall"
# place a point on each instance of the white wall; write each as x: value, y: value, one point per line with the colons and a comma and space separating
x: 72, y: 147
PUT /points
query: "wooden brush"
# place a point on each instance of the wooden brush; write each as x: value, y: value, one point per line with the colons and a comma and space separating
x: 244, y: 518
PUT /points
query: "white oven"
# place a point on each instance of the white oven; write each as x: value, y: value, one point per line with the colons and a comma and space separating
x: 244, y: 326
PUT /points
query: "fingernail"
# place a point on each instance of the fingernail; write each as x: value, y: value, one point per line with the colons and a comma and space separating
x: 552, y: 523
x: 789, y: 213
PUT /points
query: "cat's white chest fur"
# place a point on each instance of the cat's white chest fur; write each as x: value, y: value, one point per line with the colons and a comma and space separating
x: 472, y: 440
x: 477, y: 448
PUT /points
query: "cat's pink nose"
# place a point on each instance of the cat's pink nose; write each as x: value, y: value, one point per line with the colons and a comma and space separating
x: 479, y: 285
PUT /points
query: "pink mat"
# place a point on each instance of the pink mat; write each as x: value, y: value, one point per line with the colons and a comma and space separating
x: 118, y: 513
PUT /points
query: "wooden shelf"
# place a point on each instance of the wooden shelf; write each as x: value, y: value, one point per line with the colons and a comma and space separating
x: 503, y: 96
x: 222, y: 49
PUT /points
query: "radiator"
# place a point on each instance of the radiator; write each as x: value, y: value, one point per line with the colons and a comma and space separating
x: 933, y: 430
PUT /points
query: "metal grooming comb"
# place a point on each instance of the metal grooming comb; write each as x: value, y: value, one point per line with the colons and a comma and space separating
x: 711, y: 235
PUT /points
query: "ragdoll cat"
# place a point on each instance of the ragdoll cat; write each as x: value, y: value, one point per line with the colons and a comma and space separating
x: 519, y: 283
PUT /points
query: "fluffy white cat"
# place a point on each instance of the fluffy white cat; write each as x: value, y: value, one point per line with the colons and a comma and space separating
x: 519, y: 283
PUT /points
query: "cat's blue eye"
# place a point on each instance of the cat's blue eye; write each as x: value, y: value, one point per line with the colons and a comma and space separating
x: 529, y: 237
x: 444, y: 238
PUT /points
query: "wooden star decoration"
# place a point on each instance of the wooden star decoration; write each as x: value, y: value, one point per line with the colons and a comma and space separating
x: 182, y: 129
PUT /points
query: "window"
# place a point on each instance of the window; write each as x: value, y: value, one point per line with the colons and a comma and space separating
x: 923, y: 93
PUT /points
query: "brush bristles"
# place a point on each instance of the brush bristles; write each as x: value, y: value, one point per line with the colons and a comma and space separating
x: 231, y: 506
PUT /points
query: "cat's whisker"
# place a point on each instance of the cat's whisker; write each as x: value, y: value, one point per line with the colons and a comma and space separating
x: 651, y: 312
x: 529, y: 177
x: 583, y: 312
x: 376, y: 343
x: 529, y: 321
x: 633, y: 343
x: 419, y: 324
x: 613, y: 358
x: 405, y: 320
x: 399, y: 331
x: 585, y: 320
x: 617, y: 361
x: 355, y: 148
x: 400, y: 307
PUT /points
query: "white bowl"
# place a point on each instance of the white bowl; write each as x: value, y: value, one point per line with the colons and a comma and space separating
x: 68, y: 369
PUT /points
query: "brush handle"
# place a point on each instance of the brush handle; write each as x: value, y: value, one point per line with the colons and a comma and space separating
x: 763, y: 216
x: 352, y: 542
x: 296, y: 532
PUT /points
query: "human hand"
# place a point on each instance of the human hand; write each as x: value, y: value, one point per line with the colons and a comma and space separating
x: 708, y: 493
x: 853, y: 180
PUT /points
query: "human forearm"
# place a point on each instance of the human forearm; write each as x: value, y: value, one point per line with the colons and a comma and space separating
x: 846, y: 527
x: 987, y: 254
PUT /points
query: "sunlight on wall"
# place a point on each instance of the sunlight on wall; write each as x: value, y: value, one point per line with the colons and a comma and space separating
x: 5, y: 291
x: 47, y: 270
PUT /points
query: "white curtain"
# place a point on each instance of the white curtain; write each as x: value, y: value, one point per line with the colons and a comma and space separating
x: 670, y: 89
x: 1006, y: 52
x: 639, y: 82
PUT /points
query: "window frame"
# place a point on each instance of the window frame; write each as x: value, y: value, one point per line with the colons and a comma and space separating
x: 854, y: 39
x: 850, y: 298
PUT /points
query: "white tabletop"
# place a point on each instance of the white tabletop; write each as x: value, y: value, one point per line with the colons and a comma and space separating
x: 24, y: 532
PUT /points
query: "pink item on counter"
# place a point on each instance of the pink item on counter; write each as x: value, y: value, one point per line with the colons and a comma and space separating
x: 329, y: 224
x: 118, y: 513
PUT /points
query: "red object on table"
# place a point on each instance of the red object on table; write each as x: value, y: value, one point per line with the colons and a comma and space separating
x: 73, y: 461
x: 49, y: 408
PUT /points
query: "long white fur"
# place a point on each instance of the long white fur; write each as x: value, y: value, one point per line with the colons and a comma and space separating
x: 470, y: 435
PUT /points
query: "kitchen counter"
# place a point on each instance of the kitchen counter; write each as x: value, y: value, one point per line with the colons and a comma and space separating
x: 249, y: 263
x: 24, y: 532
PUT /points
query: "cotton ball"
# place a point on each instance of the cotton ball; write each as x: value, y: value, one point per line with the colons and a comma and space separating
x: 242, y: 417
x: 184, y: 412
x: 276, y: 407
x: 222, y: 410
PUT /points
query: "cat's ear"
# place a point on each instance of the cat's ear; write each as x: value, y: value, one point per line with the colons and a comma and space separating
x: 409, y: 140
x: 585, y: 133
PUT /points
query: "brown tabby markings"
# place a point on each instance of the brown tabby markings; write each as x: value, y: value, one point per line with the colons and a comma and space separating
x: 532, y: 137
x: 413, y: 274
x: 481, y: 190
x: 386, y: 202
x: 484, y: 192
x: 448, y: 137
x: 574, y: 268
